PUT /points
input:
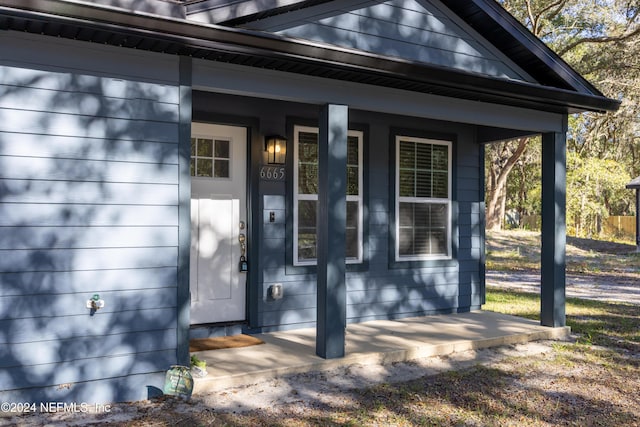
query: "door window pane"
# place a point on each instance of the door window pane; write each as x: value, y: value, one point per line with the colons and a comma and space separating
x: 204, y: 167
x: 221, y: 168
x: 222, y: 149
x: 205, y: 148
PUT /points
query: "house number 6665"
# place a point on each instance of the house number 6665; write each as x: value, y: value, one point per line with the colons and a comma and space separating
x: 272, y: 173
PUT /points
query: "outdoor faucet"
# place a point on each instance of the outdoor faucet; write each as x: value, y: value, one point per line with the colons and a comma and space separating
x: 95, y: 303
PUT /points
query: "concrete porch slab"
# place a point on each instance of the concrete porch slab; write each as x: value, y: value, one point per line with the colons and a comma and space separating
x: 375, y: 342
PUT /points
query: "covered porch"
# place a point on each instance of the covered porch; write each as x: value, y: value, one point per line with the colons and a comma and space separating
x: 376, y: 343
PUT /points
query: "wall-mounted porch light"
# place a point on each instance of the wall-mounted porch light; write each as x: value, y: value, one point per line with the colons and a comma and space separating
x: 276, y: 148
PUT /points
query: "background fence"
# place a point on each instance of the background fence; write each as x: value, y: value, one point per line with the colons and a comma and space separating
x: 621, y: 227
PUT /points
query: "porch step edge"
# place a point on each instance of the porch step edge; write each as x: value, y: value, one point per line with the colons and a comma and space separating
x: 211, y: 383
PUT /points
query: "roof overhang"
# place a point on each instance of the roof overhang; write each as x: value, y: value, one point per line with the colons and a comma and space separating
x: 106, y: 25
x: 634, y: 184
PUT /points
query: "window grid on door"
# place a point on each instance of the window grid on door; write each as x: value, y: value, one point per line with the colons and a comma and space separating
x: 210, y: 157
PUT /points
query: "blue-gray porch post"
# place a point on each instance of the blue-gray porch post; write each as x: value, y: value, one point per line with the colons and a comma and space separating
x: 331, y: 229
x: 554, y: 188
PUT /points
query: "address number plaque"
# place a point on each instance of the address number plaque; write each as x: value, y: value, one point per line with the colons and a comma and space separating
x: 272, y: 173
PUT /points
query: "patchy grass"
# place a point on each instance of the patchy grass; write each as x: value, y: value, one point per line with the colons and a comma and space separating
x: 613, y: 325
x: 610, y: 325
x: 520, y: 304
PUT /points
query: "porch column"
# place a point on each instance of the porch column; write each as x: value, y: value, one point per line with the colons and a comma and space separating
x: 331, y: 229
x: 554, y: 187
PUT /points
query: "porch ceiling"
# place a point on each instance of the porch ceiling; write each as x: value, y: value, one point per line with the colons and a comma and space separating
x: 86, y: 22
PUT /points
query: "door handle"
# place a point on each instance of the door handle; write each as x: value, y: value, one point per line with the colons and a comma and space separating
x: 244, y: 265
x: 243, y: 247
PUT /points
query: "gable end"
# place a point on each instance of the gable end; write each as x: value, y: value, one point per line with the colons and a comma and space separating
x: 422, y: 31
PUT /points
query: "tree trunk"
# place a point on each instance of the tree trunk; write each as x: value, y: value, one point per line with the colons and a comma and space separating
x: 497, y: 197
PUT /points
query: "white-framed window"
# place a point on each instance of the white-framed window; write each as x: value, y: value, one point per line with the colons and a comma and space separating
x: 305, y: 196
x: 423, y: 199
x: 210, y: 157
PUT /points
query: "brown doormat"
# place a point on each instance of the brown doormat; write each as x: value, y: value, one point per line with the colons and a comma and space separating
x: 202, y: 344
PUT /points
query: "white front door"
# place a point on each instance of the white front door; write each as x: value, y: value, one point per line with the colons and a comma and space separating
x: 218, y: 221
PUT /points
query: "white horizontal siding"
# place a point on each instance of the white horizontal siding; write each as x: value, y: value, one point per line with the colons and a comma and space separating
x: 38, y: 237
x: 68, y: 374
x: 85, y: 103
x: 89, y: 186
x: 108, y: 323
x: 87, y: 126
x: 86, y: 281
x: 87, y: 148
x: 65, y: 81
x: 67, y: 350
x: 64, y: 215
x: 43, y: 191
x: 86, y: 259
x: 17, y: 307
x: 86, y: 170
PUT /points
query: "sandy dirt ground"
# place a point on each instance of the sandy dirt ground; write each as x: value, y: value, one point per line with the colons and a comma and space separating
x: 336, y: 387
x: 601, y: 287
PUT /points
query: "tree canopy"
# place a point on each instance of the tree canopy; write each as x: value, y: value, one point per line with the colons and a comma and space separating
x: 601, y: 40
